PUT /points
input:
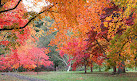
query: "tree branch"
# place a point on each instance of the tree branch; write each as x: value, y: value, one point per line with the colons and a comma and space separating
x: 1, y: 4
x: 100, y: 46
x: 105, y: 38
x: 102, y: 50
x: 11, y: 8
x: 63, y: 60
x: 29, y: 20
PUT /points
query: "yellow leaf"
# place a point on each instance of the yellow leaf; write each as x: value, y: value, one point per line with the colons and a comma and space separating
x: 106, y: 24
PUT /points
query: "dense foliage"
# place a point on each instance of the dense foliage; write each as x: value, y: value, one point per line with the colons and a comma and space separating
x: 83, y: 32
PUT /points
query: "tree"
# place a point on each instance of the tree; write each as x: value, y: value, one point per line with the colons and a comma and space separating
x: 96, y: 47
x: 75, y: 49
x: 39, y: 57
x: 28, y: 57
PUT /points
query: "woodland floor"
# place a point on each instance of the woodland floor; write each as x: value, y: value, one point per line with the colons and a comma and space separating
x: 67, y: 76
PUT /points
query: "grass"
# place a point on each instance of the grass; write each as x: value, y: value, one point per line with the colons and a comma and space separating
x: 80, y: 76
x: 131, y: 75
x: 9, y: 78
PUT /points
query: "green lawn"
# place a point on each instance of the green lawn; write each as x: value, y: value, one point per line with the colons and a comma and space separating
x: 80, y: 76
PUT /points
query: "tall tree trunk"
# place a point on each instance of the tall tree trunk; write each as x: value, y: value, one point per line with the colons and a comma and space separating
x: 19, y: 67
x: 85, y: 64
x: 99, y: 68
x: 121, y: 68
x: 37, y: 70
x: 85, y: 68
x: 37, y: 67
x: 91, y: 67
x: 135, y: 64
x: 114, y: 69
x: 55, y: 67
x: 69, y: 67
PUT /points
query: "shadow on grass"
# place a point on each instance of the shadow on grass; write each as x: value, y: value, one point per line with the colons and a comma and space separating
x: 108, y: 74
x: 100, y: 74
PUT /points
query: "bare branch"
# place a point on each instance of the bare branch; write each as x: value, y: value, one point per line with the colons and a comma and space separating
x: 11, y: 8
x: 28, y: 21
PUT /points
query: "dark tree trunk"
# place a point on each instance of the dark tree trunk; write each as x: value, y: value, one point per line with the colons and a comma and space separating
x: 91, y: 67
x: 37, y: 71
x: 99, y: 68
x: 37, y: 67
x: 121, y: 68
x: 114, y: 69
x: 85, y: 68
x: 135, y: 65
x: 55, y: 68
x: 19, y: 67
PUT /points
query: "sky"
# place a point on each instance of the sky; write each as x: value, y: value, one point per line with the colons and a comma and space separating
x: 31, y: 5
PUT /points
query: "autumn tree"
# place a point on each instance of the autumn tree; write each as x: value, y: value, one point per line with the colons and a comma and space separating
x: 76, y: 50
x: 29, y: 57
x: 118, y: 21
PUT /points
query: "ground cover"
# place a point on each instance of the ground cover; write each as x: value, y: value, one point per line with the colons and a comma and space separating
x: 80, y: 76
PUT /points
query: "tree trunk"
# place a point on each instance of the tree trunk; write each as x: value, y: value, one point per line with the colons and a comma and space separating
x: 135, y: 65
x: 69, y: 67
x: 55, y: 67
x: 85, y: 68
x: 19, y: 67
x: 114, y: 69
x: 37, y: 71
x: 121, y: 68
x: 37, y: 67
x: 91, y: 67
x: 99, y: 68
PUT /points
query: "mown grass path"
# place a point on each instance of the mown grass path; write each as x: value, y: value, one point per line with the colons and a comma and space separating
x: 20, y: 77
